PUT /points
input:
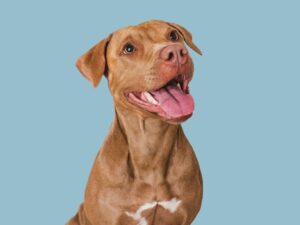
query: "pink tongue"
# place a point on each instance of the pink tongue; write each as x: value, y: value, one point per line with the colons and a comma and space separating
x: 174, y: 102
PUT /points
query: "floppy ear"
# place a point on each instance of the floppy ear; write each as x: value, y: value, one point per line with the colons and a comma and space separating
x: 92, y: 65
x: 187, y: 36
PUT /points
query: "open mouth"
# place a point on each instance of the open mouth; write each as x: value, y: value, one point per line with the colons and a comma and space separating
x: 172, y: 101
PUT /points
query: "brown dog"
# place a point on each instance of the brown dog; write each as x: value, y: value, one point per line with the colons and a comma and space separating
x: 146, y: 172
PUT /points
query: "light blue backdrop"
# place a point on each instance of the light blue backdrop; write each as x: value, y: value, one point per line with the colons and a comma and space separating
x: 245, y: 129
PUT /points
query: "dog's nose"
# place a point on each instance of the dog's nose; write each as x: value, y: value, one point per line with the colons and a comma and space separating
x: 174, y: 54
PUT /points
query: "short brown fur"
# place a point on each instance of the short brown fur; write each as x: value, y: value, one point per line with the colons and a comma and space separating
x: 144, y: 158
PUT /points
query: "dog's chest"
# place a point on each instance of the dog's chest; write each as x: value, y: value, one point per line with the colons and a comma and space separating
x: 154, y: 213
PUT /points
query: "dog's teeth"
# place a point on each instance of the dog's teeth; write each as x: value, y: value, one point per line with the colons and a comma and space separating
x: 178, y: 85
x: 149, y: 98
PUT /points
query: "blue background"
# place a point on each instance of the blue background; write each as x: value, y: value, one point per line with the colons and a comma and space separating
x: 245, y: 129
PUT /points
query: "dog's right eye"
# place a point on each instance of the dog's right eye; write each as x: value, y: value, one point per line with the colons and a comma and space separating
x: 128, y: 49
x: 174, y: 35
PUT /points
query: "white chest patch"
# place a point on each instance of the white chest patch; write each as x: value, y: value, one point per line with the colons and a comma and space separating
x: 171, y: 206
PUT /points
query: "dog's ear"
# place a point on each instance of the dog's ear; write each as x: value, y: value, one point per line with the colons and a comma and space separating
x: 92, y: 65
x: 187, y: 36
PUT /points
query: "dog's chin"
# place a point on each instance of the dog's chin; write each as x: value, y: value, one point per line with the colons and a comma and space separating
x: 172, y: 102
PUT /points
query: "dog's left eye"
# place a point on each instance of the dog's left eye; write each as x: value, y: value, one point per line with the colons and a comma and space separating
x: 174, y: 35
x: 128, y: 49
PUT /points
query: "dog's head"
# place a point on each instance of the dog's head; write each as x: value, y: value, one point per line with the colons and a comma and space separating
x: 148, y: 69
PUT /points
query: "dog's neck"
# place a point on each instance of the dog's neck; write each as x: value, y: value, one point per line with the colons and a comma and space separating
x: 150, y: 142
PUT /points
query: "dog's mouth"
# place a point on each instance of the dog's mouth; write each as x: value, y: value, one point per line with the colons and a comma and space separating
x: 171, y: 101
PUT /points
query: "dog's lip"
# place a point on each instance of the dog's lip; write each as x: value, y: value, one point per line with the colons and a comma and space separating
x: 181, y: 80
x: 171, y: 101
x: 180, y: 119
x: 145, y: 98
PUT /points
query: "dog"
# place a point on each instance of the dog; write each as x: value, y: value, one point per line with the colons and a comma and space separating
x: 146, y: 172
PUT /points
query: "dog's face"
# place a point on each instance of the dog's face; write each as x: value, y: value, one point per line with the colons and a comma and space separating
x: 148, y: 69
